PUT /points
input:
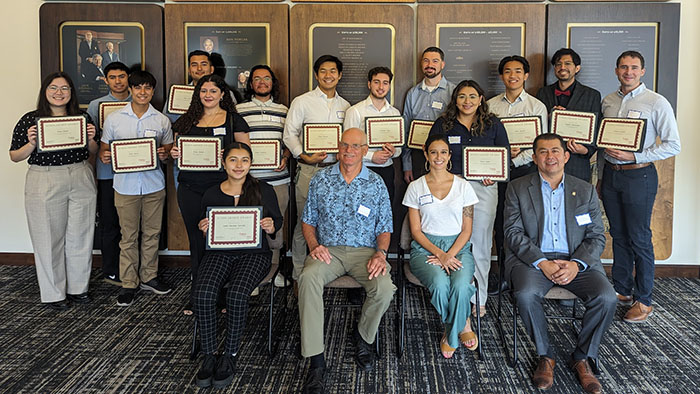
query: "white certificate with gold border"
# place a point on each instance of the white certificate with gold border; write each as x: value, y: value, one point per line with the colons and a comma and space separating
x: 199, y: 153
x: 266, y: 154
x: 107, y: 108
x: 384, y: 130
x: 574, y: 125
x: 234, y: 228
x: 522, y: 130
x: 622, y: 133
x: 61, y: 133
x: 481, y: 162
x: 418, y: 133
x: 321, y: 137
x: 133, y: 155
x: 180, y: 98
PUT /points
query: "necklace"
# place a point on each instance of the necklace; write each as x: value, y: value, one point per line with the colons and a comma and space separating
x: 207, y: 123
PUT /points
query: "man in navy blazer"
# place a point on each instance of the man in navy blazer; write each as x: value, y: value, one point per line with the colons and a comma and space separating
x: 569, y: 94
x: 554, y: 236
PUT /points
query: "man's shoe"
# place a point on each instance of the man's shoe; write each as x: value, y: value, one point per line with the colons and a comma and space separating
x: 493, y: 290
x: 364, y: 353
x: 623, y: 299
x: 281, y: 281
x: 638, y: 313
x: 224, y: 371
x: 544, y: 374
x: 112, y: 280
x: 206, y: 371
x: 60, y: 306
x: 126, y: 297
x: 314, y: 381
x: 82, y: 298
x: 157, y: 286
x: 588, y: 381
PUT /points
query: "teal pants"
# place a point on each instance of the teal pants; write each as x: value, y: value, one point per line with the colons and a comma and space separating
x: 450, y: 294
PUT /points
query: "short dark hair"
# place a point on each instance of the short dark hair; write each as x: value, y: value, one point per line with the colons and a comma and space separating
x: 548, y: 137
x: 633, y: 54
x: 44, y: 108
x: 514, y: 58
x: 434, y: 49
x: 379, y: 70
x: 566, y: 51
x: 197, y: 52
x: 328, y: 58
x: 435, y: 137
x: 118, y: 66
x: 140, y: 77
x: 249, y: 92
x: 217, y: 61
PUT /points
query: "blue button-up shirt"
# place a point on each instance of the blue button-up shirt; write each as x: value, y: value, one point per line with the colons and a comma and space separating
x: 124, y: 124
x: 104, y: 171
x: 348, y: 214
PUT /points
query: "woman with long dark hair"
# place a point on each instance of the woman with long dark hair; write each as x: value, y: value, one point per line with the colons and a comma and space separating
x: 467, y: 121
x: 242, y: 269
x: 212, y: 112
x: 60, y: 197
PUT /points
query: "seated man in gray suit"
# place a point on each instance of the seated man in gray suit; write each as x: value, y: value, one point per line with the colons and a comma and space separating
x: 554, y: 236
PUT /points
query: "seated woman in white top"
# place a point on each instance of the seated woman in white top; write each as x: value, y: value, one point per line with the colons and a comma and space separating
x: 440, y: 211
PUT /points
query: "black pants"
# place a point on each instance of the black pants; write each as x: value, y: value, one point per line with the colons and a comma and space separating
x: 190, y: 202
x: 387, y: 174
x: 417, y: 163
x: 109, y: 228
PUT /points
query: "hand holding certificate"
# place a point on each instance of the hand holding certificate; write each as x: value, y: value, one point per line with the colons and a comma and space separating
x: 383, y: 130
x: 266, y: 154
x: 321, y: 137
x: 199, y: 153
x: 132, y: 155
x: 107, y: 108
x: 573, y: 125
x: 622, y: 134
x: 419, y: 133
x: 522, y: 131
x: 234, y: 227
x: 180, y: 98
x: 486, y: 162
x: 61, y: 133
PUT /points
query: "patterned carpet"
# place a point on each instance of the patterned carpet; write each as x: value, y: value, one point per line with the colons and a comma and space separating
x: 145, y: 348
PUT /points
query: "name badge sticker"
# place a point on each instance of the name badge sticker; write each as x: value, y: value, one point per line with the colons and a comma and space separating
x: 632, y: 114
x: 454, y: 139
x: 149, y: 133
x: 363, y: 210
x: 583, y: 219
x: 219, y: 131
x: 436, y: 105
x: 340, y: 114
x: 425, y: 199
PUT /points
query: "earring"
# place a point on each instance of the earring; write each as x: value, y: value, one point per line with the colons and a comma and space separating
x: 449, y: 166
x: 427, y: 168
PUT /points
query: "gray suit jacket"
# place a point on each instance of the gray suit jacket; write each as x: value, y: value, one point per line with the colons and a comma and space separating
x: 524, y: 222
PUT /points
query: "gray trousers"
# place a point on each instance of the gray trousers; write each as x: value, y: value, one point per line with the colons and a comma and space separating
x: 482, y: 235
x: 302, y: 180
x: 530, y: 285
x: 60, y: 203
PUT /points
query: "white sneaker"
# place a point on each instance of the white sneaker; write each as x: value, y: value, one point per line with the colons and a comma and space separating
x: 255, y: 292
x: 280, y: 281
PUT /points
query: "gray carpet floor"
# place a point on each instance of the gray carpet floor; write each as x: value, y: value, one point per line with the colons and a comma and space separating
x: 101, y: 347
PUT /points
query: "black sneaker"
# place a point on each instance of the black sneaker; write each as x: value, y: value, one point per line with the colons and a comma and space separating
x: 126, y: 297
x: 82, y: 298
x: 314, y: 381
x: 60, y: 306
x: 157, y: 286
x: 112, y: 280
x: 224, y: 370
x: 206, y: 371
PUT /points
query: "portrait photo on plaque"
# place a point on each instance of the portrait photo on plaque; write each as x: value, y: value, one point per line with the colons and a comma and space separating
x: 360, y: 47
x: 86, y: 48
x: 241, y: 46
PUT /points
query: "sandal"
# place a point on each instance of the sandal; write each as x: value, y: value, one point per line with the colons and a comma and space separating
x: 469, y: 336
x: 482, y: 310
x: 188, y: 310
x: 445, y: 348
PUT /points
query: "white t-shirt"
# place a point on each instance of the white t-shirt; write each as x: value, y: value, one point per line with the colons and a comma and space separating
x: 440, y: 217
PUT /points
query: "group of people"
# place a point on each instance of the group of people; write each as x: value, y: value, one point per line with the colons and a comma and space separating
x: 547, y: 218
x: 93, y: 62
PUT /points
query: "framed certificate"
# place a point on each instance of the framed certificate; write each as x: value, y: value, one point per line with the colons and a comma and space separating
x: 61, y: 133
x: 418, y: 133
x: 622, y: 133
x: 180, y: 98
x: 573, y: 125
x: 107, y: 108
x: 523, y: 130
x: 234, y: 228
x: 133, y: 155
x: 384, y: 130
x: 490, y: 162
x: 200, y: 153
x: 321, y: 137
x: 266, y: 154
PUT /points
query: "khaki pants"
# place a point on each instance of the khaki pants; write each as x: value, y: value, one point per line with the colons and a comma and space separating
x: 304, y: 174
x: 144, y: 212
x: 316, y: 274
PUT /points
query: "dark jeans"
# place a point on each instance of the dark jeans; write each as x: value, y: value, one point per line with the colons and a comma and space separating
x: 190, y: 203
x: 417, y: 163
x: 628, y: 197
x: 109, y: 228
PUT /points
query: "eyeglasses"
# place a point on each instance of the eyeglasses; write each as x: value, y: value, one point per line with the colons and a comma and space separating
x: 343, y: 145
x: 258, y: 79
x: 54, y: 89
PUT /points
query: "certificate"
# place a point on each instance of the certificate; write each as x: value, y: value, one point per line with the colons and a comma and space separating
x: 622, y: 133
x: 418, y: 133
x: 180, y: 98
x: 490, y: 162
x: 107, y: 108
x: 61, y: 133
x: 522, y: 130
x: 573, y: 125
x: 234, y: 227
x: 132, y: 155
x: 321, y: 137
x: 384, y: 130
x: 199, y: 153
x: 266, y: 154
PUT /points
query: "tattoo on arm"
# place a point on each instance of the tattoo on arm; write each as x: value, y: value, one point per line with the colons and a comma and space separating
x: 468, y: 211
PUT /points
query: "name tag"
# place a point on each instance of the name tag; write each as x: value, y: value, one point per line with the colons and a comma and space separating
x: 436, y: 105
x: 454, y: 139
x: 632, y: 114
x: 519, y: 114
x: 340, y: 114
x: 583, y: 219
x: 363, y: 210
x: 219, y: 131
x: 425, y: 199
x: 149, y: 133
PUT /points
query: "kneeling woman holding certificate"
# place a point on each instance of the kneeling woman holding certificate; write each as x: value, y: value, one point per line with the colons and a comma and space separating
x: 440, y: 211
x: 60, y: 195
x: 242, y: 269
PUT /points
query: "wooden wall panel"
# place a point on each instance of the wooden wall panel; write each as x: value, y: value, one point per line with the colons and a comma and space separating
x: 399, y: 16
x: 533, y: 15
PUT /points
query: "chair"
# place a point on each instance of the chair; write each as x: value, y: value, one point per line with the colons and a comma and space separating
x: 269, y: 278
x: 405, y: 274
x: 555, y: 293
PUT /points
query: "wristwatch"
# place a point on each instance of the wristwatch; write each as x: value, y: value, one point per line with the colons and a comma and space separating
x: 384, y: 252
x: 580, y: 266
